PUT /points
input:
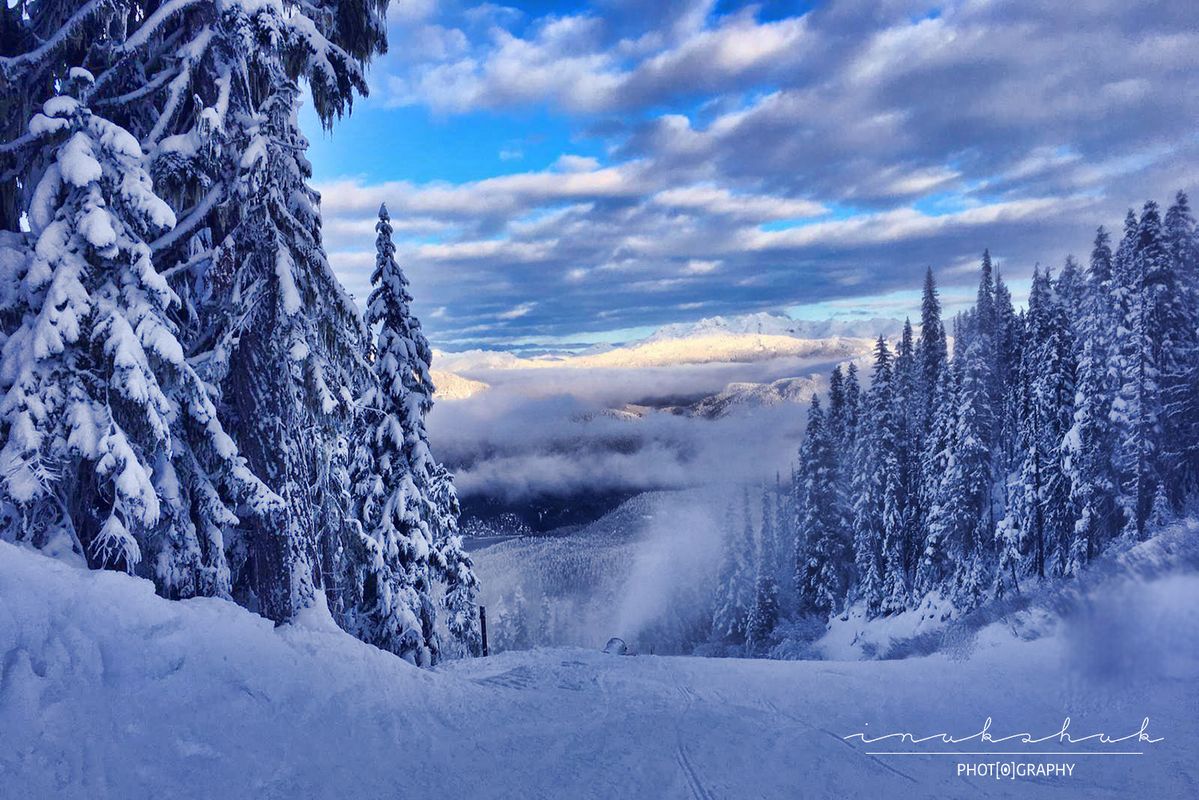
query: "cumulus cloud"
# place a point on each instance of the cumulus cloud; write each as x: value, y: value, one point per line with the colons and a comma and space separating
x: 591, y: 62
x: 754, y: 159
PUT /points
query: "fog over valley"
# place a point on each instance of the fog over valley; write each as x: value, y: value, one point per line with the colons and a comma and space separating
x: 561, y: 438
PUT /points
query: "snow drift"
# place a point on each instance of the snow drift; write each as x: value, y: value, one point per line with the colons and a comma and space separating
x: 110, y: 691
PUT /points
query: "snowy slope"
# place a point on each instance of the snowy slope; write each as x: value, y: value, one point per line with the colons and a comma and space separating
x: 108, y: 691
x: 743, y: 395
x: 451, y: 386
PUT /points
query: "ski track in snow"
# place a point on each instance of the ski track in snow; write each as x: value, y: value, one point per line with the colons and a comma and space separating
x: 694, y: 784
x: 109, y: 691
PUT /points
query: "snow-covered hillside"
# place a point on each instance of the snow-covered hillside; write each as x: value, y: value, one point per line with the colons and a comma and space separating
x: 110, y: 691
x: 451, y: 386
x: 748, y: 396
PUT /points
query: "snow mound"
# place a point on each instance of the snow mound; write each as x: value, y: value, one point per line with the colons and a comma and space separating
x: 109, y: 691
x: 1109, y: 587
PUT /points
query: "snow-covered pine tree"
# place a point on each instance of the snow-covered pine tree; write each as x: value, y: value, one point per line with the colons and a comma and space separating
x: 1169, y: 254
x: 784, y: 537
x: 932, y: 360
x: 111, y: 441
x: 1009, y: 332
x: 1049, y: 372
x: 251, y: 266
x: 1027, y: 463
x: 392, y: 474
x: 266, y: 300
x: 866, y: 524
x: 962, y: 519
x: 823, y: 558
x: 512, y: 622
x: 735, y: 587
x: 402, y: 359
x: 1160, y: 513
x: 1069, y: 288
x: 984, y: 339
x: 1013, y: 535
x: 1182, y: 401
x: 938, y: 495
x: 453, y: 568
x: 764, y: 613
x: 1089, y: 442
x: 842, y: 421
x: 1155, y: 347
x: 909, y: 434
x: 1055, y: 385
x: 931, y: 350
x: 274, y: 346
x: 210, y: 92
x: 853, y: 402
x: 836, y: 403
x: 877, y: 524
x: 1133, y: 406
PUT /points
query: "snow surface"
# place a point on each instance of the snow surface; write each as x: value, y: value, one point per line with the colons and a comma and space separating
x: 109, y: 691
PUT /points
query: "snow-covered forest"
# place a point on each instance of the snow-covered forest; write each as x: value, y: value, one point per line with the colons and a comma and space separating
x: 188, y: 393
x: 936, y: 483
x: 967, y: 465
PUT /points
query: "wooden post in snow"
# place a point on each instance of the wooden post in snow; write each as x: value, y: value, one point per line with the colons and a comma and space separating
x: 483, y: 628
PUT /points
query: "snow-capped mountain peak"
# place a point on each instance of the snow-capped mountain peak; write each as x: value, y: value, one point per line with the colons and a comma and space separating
x: 775, y: 324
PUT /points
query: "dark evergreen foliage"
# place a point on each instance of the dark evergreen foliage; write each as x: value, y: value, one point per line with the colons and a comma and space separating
x: 1050, y: 434
x: 188, y: 393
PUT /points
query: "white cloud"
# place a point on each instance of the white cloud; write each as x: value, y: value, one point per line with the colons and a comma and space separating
x: 714, y: 200
x: 576, y: 62
x: 518, y: 311
x: 698, y: 266
x: 751, y: 163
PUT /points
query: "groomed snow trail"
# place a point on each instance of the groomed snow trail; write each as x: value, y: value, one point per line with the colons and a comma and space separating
x: 109, y: 691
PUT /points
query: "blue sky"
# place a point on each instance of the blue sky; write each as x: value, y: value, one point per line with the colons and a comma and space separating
x: 576, y: 172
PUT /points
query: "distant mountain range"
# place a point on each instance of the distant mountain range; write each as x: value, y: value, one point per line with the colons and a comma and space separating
x: 720, y: 347
x: 737, y: 339
x: 769, y: 324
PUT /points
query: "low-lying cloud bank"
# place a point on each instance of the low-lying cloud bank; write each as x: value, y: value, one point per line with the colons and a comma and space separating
x: 558, y: 432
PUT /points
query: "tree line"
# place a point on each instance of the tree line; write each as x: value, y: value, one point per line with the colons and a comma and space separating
x: 1012, y: 446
